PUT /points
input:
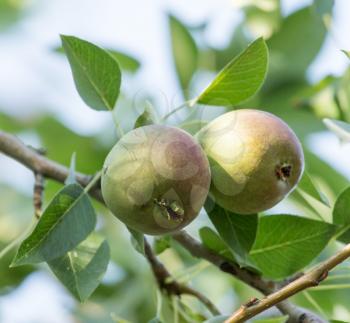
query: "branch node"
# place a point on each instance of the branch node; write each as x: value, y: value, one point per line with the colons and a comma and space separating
x: 252, y: 302
x: 228, y: 268
x: 323, y: 276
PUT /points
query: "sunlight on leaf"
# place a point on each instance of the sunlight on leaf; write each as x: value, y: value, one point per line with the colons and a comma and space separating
x: 289, y: 242
x: 96, y: 73
x: 81, y: 269
x: 240, y: 79
x: 67, y: 221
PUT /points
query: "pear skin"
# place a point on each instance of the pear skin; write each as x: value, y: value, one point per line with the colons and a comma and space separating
x: 255, y: 160
x: 156, y: 179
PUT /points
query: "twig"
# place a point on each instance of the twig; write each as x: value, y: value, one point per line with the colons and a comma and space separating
x: 310, y: 279
x: 266, y: 287
x: 189, y: 103
x: 14, y: 148
x: 173, y: 287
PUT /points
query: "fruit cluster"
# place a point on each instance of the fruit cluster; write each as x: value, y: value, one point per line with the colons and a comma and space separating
x: 157, y: 178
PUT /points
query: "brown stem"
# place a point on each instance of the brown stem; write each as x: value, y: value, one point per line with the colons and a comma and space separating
x: 171, y: 286
x: 266, y: 287
x: 14, y: 148
x: 309, y: 279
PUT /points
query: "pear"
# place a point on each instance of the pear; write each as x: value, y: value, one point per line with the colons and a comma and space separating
x: 255, y: 160
x: 156, y: 179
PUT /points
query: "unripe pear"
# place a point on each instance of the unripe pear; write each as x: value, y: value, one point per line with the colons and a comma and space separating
x: 255, y: 160
x: 156, y: 179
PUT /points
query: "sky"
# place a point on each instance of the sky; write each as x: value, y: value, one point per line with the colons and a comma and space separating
x: 34, y: 79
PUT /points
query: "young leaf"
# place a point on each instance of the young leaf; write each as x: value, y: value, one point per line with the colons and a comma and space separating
x: 340, y: 128
x: 137, y: 240
x: 237, y: 231
x: 144, y: 119
x: 289, y: 243
x: 96, y: 73
x: 81, y: 269
x: 240, y: 79
x: 185, y: 53
x: 341, y: 215
x: 67, y: 221
x: 213, y: 242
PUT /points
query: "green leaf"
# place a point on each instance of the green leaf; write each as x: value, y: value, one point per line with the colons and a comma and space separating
x: 279, y: 319
x: 306, y: 185
x: 217, y: 319
x: 323, y: 7
x: 137, y: 240
x: 341, y: 215
x: 287, y: 243
x: 185, y: 53
x: 295, y: 45
x: 11, y: 12
x: 193, y: 126
x: 126, y: 62
x: 161, y: 244
x: 144, y: 119
x: 82, y: 269
x: 237, y: 231
x: 340, y: 128
x: 188, y: 314
x: 240, y: 79
x: 96, y: 73
x: 67, y: 221
x: 213, y: 242
x: 319, y: 168
x: 155, y: 320
x: 346, y: 52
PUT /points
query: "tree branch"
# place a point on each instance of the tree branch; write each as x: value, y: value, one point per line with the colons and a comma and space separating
x: 310, y: 279
x: 173, y: 287
x: 14, y: 148
x: 266, y: 287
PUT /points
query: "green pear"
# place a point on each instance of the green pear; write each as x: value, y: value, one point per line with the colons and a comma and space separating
x: 255, y: 160
x: 156, y: 179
